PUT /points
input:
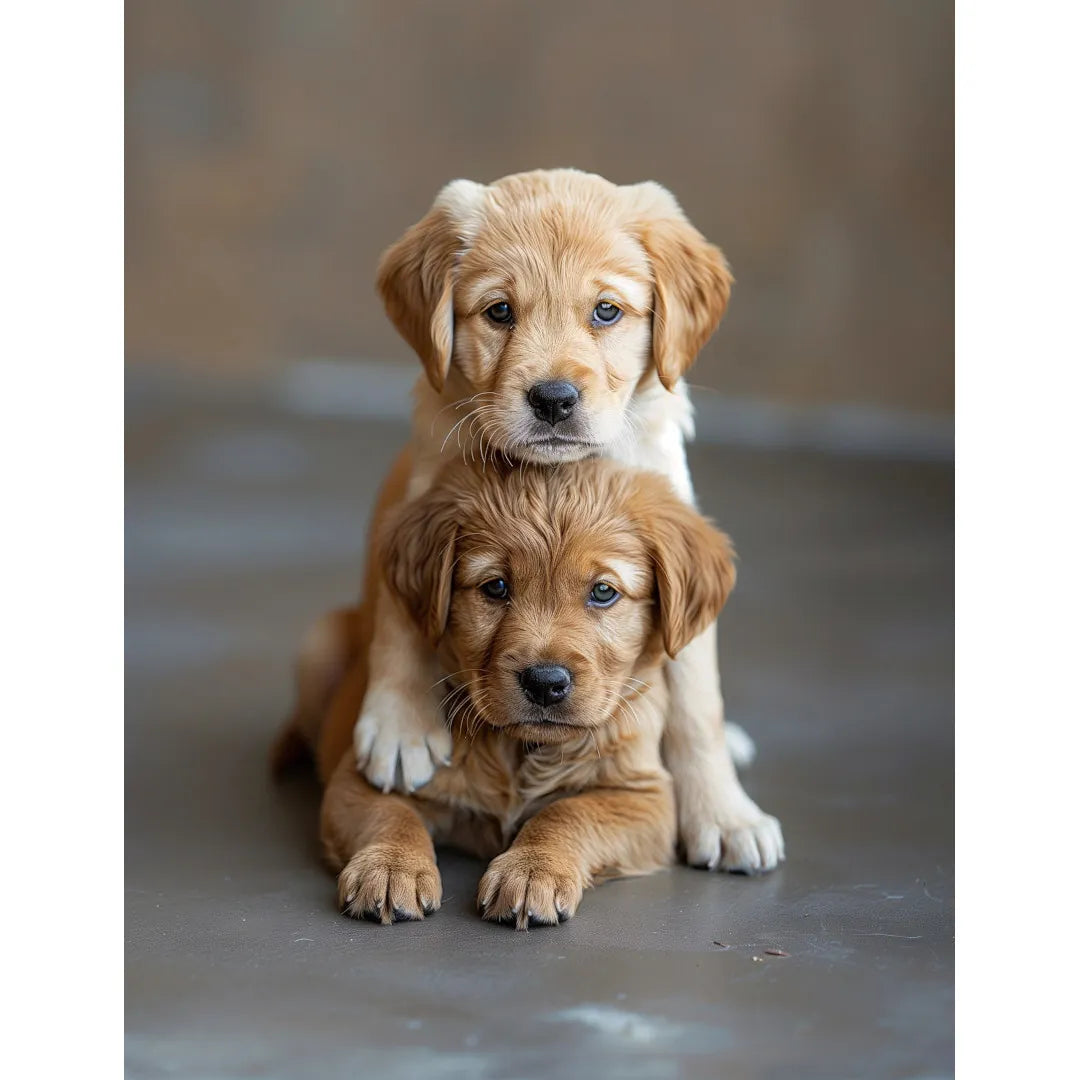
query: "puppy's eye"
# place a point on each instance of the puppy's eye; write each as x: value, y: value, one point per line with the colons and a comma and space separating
x: 606, y: 313
x: 495, y: 589
x: 500, y: 313
x: 603, y: 595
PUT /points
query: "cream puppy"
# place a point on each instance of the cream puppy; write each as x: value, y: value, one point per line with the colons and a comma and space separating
x: 555, y: 314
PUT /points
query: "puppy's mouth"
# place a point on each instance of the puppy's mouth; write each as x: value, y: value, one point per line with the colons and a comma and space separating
x: 560, y: 440
x: 541, y: 724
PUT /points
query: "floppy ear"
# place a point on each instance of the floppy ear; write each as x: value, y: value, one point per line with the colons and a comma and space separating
x: 417, y: 558
x: 692, y: 281
x: 694, y: 564
x: 416, y: 275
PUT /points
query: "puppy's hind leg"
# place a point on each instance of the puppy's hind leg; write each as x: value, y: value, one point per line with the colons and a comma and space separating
x: 326, y: 650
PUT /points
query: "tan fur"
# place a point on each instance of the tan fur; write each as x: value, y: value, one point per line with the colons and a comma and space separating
x: 552, y: 244
x: 580, y: 788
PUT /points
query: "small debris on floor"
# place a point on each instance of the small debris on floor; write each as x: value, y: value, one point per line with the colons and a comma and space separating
x: 722, y: 944
x: 776, y: 952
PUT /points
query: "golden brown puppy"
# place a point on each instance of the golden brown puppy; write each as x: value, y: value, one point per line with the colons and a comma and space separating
x: 551, y: 598
x: 555, y: 314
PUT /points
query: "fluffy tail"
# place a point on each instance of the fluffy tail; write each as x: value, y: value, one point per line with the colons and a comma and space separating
x: 740, y: 745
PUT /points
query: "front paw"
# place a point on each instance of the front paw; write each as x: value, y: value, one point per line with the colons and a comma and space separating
x: 749, y: 842
x: 385, y: 884
x: 524, y: 887
x: 400, y: 741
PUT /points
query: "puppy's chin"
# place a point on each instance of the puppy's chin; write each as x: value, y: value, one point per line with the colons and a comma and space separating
x: 556, y: 451
x: 529, y: 723
x: 574, y: 439
x: 544, y: 732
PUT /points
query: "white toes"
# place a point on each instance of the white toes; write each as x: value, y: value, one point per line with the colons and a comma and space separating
x: 748, y: 847
x: 417, y: 768
x: 382, y: 766
x: 367, y: 727
x: 741, y: 851
x: 740, y: 745
x: 703, y: 846
x: 770, y: 840
x: 440, y: 745
x: 391, y: 755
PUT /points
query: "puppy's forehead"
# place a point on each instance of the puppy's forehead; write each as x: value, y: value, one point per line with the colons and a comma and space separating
x: 557, y: 242
x: 556, y: 549
x: 585, y: 515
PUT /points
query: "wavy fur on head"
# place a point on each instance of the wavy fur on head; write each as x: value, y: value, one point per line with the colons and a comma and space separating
x: 551, y: 533
x: 582, y: 778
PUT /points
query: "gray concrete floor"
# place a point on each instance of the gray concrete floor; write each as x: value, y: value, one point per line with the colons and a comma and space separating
x: 243, y: 521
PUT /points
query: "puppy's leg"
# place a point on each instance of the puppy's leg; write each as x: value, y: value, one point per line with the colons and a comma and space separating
x: 381, y: 848
x: 400, y: 738
x: 397, y: 731
x: 326, y: 650
x: 570, y: 844
x: 721, y: 827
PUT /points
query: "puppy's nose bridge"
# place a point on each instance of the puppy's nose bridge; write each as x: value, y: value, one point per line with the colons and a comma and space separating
x: 553, y: 400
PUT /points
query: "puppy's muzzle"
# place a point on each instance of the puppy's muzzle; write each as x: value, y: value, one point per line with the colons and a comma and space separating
x: 546, y: 684
x: 553, y: 401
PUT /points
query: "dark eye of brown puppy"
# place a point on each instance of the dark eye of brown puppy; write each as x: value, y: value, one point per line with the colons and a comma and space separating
x: 500, y: 313
x: 495, y: 589
x: 603, y: 595
x: 606, y: 313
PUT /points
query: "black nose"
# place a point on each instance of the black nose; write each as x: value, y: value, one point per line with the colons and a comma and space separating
x: 553, y: 401
x: 545, y: 684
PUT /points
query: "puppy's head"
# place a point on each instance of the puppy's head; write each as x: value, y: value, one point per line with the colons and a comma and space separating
x: 544, y: 299
x: 553, y: 594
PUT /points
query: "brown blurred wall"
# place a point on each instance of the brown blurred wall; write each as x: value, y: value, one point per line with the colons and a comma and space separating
x: 274, y: 149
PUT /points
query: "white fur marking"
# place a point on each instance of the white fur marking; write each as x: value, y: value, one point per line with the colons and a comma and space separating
x: 625, y: 576
x: 463, y: 200
x: 481, y: 564
x: 633, y: 292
